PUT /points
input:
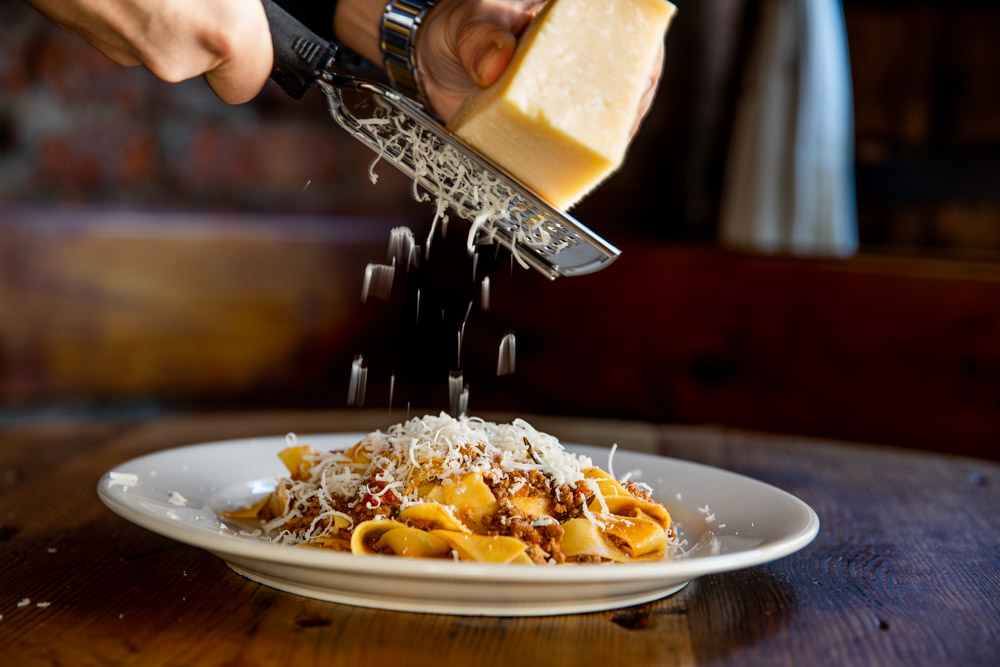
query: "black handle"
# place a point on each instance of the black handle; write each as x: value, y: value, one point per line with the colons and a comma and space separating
x: 300, y: 56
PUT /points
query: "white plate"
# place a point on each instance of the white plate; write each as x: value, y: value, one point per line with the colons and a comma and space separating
x: 179, y: 492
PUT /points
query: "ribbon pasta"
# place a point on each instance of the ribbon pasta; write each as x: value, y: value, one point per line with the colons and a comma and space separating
x: 467, y: 489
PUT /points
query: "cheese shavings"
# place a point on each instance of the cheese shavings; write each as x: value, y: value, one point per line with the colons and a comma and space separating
x: 441, y: 449
x: 436, y: 486
x: 457, y: 182
x: 125, y: 479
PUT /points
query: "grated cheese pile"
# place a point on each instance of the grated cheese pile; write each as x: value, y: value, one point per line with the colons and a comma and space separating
x: 423, y: 449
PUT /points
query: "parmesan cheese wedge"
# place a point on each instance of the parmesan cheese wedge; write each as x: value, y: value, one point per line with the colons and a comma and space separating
x: 560, y: 116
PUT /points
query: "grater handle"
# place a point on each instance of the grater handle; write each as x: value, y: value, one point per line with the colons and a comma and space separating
x: 300, y: 56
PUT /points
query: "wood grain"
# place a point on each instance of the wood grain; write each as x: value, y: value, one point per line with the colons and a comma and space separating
x: 904, y: 570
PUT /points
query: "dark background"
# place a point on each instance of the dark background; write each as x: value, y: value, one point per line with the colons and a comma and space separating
x: 159, y: 249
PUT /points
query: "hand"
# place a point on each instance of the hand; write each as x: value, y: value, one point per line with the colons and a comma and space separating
x: 646, y: 103
x: 461, y: 44
x: 464, y: 44
x: 468, y: 43
x: 226, y: 40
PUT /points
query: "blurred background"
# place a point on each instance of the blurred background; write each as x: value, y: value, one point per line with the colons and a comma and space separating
x: 809, y: 219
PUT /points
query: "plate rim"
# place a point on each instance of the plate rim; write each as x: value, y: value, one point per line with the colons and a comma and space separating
x: 222, y: 544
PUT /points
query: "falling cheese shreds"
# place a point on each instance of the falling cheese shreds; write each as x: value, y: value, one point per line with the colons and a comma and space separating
x: 458, y: 393
x: 456, y: 181
x: 24, y: 602
x: 359, y: 381
x: 507, y: 356
x: 484, y: 294
x: 377, y: 282
x: 43, y: 605
x: 402, y: 248
x: 177, y: 499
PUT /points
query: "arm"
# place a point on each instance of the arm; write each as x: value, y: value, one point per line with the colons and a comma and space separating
x: 462, y: 44
x: 465, y: 42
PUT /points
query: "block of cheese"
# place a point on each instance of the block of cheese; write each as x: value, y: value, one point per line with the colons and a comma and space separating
x: 561, y: 114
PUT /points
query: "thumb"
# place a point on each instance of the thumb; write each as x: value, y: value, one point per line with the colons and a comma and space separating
x: 484, y: 50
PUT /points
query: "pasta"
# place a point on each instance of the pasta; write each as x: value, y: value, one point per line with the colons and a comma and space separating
x: 461, y: 488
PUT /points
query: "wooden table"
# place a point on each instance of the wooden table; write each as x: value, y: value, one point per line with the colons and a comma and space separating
x: 905, y: 570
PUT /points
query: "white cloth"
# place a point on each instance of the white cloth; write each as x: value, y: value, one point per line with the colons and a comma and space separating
x: 790, y: 172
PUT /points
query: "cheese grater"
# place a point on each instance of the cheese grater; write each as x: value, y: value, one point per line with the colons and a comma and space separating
x: 401, y: 132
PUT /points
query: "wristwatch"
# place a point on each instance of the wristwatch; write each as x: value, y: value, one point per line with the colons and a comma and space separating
x: 398, y: 32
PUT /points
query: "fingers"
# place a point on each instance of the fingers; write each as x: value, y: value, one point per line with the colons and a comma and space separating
x: 227, y: 40
x: 238, y: 82
x: 230, y: 43
x: 646, y: 102
x: 528, y: 11
x: 115, y: 53
x: 245, y: 60
x: 485, y: 49
x: 466, y: 44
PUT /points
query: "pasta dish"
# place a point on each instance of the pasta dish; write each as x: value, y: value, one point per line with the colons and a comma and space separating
x: 461, y: 488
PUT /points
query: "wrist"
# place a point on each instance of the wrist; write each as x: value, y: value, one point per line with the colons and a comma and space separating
x: 356, y: 26
x: 401, y: 24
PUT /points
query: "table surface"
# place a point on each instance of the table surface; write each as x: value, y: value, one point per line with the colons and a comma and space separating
x: 905, y: 569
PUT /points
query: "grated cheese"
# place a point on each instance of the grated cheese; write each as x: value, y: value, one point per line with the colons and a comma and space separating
x: 430, y: 448
x: 125, y: 479
x: 507, y: 356
x: 457, y: 182
x: 378, y: 281
x: 359, y: 381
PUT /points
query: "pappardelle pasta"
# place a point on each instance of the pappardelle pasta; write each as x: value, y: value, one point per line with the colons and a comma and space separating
x: 461, y: 488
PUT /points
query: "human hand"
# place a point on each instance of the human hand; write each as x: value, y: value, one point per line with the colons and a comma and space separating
x: 468, y: 43
x: 461, y: 45
x: 226, y: 40
x: 646, y: 103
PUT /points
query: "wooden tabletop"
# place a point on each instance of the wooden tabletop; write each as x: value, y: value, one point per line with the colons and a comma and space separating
x: 905, y: 569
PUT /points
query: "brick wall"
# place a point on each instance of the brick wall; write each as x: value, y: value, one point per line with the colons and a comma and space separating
x: 76, y: 128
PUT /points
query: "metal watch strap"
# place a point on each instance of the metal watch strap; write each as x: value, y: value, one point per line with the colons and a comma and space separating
x: 398, y: 31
